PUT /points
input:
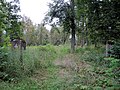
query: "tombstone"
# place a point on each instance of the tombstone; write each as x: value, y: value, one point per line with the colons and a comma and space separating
x: 109, y: 45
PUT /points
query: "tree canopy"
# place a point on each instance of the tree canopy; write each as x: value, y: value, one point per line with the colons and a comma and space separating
x: 9, y: 19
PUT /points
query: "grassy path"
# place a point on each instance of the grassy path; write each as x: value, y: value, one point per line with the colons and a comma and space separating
x: 70, y: 73
x: 63, y: 74
x: 54, y: 68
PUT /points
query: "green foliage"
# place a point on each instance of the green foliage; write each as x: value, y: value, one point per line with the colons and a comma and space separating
x: 3, y: 63
x: 64, y: 12
x: 104, y: 73
x: 115, y: 51
x: 103, y: 18
x: 14, y: 26
x: 10, y: 24
x: 34, y: 34
x: 45, y: 75
x: 38, y: 57
x: 113, y: 62
x: 93, y: 66
x: 91, y: 54
x: 25, y: 84
x: 113, y: 68
x: 33, y: 58
x: 10, y: 66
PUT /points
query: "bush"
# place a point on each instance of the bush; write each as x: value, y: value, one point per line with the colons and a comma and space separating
x: 113, y: 68
x: 106, y: 71
x: 115, y: 51
x: 91, y: 54
x: 3, y: 63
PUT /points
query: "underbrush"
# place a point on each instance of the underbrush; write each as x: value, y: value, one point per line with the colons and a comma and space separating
x: 34, y: 58
x: 92, y: 70
x: 104, y: 73
x: 24, y: 84
x: 3, y: 63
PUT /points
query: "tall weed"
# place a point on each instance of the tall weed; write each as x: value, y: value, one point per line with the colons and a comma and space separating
x: 103, y: 69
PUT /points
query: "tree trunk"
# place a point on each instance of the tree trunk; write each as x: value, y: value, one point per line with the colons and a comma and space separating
x: 83, y: 32
x: 64, y: 38
x: 86, y: 38
x: 106, y: 52
x: 21, y: 53
x: 82, y: 38
x: 0, y: 38
x: 95, y: 42
x: 73, y: 41
x: 41, y: 38
x: 78, y: 41
x: 72, y: 27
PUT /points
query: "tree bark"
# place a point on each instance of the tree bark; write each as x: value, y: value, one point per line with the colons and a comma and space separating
x: 106, y: 52
x: 83, y: 32
x: 82, y: 39
x: 72, y: 27
x: 41, y: 37
x: 0, y: 38
x: 73, y: 41
x: 21, y: 53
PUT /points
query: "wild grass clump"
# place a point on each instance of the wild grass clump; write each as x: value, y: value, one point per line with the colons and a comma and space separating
x: 34, y: 57
x: 25, y: 84
x: 62, y: 50
x: 91, y: 54
x: 103, y: 71
x: 39, y: 57
x: 3, y: 63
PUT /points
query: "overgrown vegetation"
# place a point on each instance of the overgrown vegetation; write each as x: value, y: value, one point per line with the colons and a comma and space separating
x: 54, y: 68
x: 105, y: 71
x: 115, y: 50
x: 46, y: 67
x: 3, y: 63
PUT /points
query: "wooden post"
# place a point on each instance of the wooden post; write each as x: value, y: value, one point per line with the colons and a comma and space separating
x: 106, y: 54
x: 21, y: 53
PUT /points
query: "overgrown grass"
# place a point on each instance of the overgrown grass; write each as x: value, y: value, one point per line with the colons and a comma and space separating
x: 24, y: 84
x: 88, y: 70
x: 34, y: 58
x: 100, y: 76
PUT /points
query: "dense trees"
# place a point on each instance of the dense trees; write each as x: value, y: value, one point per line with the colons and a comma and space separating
x: 34, y: 34
x: 28, y: 30
x: 92, y: 20
x: 10, y: 28
x: 58, y: 36
x: 10, y: 20
x: 104, y: 19
x: 64, y: 12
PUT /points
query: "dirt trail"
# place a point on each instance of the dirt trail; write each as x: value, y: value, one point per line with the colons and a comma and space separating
x: 66, y: 62
x: 69, y: 66
x: 66, y: 73
x: 64, y: 68
x: 39, y: 76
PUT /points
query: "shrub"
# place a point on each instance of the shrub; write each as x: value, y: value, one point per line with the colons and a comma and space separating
x: 91, y: 55
x: 115, y: 51
x: 3, y: 63
x: 113, y: 68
